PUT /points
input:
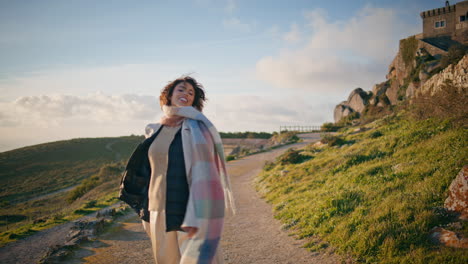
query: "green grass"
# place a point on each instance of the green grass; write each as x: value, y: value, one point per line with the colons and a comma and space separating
x: 376, y: 198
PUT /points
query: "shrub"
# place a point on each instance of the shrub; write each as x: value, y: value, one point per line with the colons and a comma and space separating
x: 348, y: 120
x: 329, y: 127
x: 268, y: 166
x: 285, y: 137
x: 455, y: 53
x: 372, y: 113
x: 85, y: 186
x: 230, y: 157
x: 291, y: 156
x: 375, y: 134
x: 332, y: 140
x: 90, y: 204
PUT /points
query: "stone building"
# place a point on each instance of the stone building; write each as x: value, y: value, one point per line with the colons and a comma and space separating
x: 450, y: 21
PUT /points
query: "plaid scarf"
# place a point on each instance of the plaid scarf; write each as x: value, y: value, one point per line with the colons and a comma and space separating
x: 210, y: 187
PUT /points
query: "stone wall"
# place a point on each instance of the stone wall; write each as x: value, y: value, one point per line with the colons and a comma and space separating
x: 461, y: 27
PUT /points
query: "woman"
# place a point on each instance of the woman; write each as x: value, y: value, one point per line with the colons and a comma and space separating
x: 176, y: 179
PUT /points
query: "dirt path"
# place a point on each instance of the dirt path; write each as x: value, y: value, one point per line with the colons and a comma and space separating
x: 251, y: 236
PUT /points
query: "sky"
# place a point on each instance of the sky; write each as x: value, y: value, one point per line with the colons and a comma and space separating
x: 76, y: 69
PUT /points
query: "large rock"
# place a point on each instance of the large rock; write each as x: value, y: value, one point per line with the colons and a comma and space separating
x: 358, y: 99
x: 392, y: 91
x: 458, y: 194
x: 378, y: 94
x: 380, y: 89
x: 412, y: 88
x: 342, y: 110
x: 456, y: 74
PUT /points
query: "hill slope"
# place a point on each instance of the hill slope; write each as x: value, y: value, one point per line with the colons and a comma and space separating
x: 375, y: 194
x: 40, y: 169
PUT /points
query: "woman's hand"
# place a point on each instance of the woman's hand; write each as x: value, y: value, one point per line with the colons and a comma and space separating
x: 191, y: 230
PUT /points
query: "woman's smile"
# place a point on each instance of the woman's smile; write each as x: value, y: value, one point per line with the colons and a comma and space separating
x: 183, y: 95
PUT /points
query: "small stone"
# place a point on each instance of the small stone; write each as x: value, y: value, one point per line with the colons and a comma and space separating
x: 458, y: 194
x: 447, y: 238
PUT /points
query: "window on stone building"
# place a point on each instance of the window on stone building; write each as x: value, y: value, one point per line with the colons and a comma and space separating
x: 462, y: 18
x: 439, y: 24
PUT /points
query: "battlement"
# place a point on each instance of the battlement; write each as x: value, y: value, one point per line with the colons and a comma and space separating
x: 439, y: 11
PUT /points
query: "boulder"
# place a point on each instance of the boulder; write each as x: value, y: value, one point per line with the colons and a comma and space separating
x: 411, y: 90
x: 342, y: 110
x: 380, y: 89
x: 392, y: 91
x: 458, y: 194
x: 358, y: 99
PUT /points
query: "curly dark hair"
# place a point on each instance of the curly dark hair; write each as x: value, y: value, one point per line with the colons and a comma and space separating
x: 198, y: 101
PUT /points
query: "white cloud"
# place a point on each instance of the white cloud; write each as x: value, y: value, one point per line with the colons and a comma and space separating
x: 58, y: 110
x: 338, y: 56
x: 235, y: 24
x: 294, y: 35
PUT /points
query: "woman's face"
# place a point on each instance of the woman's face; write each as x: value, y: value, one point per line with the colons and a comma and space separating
x: 183, y: 95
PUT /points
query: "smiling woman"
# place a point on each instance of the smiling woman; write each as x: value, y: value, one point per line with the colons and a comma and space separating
x: 176, y: 179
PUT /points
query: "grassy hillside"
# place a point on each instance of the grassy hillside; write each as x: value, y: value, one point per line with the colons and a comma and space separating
x: 48, y: 184
x: 374, y: 194
x: 40, y: 169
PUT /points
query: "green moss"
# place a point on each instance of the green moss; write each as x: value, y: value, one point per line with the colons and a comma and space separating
x: 408, y: 49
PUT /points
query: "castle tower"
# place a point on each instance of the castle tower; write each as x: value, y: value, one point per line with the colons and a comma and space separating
x: 448, y: 21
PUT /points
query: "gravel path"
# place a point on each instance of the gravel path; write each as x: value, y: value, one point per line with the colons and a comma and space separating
x: 250, y: 236
x: 253, y: 235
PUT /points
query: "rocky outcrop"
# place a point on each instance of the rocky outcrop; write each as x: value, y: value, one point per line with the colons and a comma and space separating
x: 458, y: 194
x: 397, y: 73
x: 456, y: 74
x: 357, y: 101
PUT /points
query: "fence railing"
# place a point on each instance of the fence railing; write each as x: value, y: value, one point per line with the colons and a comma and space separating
x: 300, y: 129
